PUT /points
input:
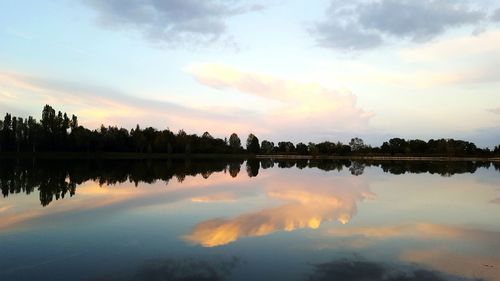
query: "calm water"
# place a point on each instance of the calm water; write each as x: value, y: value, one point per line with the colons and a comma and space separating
x: 249, y: 220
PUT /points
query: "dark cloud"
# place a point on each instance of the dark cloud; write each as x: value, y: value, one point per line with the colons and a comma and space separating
x: 359, y: 270
x: 496, y: 15
x: 332, y: 35
x: 418, y: 20
x: 170, y: 21
x: 362, y: 25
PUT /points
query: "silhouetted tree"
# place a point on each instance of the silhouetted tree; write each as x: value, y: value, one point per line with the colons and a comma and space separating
x: 1, y: 135
x: 138, y: 138
x: 312, y: 148
x: 417, y: 146
x: 253, y: 144
x: 301, y: 149
x: 74, y: 122
x: 58, y: 132
x: 7, y: 132
x: 235, y: 142
x: 48, y: 118
x: 266, y: 147
x: 286, y: 147
x: 356, y: 144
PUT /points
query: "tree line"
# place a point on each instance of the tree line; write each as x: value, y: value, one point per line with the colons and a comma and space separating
x: 57, y: 132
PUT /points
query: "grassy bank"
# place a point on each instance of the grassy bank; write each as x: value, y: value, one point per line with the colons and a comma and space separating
x: 380, y: 158
x: 119, y: 155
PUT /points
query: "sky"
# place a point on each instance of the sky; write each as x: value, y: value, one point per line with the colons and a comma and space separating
x: 283, y: 70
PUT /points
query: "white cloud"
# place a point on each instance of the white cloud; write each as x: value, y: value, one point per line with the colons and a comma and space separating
x: 306, y: 108
x: 495, y: 110
x: 465, y: 46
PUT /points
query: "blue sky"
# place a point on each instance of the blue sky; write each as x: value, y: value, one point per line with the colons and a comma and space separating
x: 294, y: 70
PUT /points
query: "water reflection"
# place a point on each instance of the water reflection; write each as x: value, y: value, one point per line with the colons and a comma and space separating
x: 361, y: 270
x: 163, y: 220
x: 341, y: 269
x: 305, y: 207
x: 422, y: 231
x: 181, y: 269
x: 57, y: 179
x: 467, y: 265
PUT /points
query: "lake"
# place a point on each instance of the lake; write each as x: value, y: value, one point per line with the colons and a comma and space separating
x: 249, y: 220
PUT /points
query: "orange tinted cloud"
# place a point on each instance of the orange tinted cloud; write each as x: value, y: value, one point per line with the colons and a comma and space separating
x: 5, y: 208
x: 305, y: 207
x: 90, y: 195
x: 300, y: 104
x: 96, y: 106
x: 217, y: 197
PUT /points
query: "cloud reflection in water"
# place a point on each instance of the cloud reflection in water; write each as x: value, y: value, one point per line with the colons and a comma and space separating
x: 307, y: 205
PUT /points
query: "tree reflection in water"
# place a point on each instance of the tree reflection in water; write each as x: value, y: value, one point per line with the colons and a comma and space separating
x: 55, y: 179
x: 360, y: 270
x: 182, y: 269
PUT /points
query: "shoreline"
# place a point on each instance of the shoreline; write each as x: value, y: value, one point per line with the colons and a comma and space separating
x: 138, y: 156
x: 382, y: 158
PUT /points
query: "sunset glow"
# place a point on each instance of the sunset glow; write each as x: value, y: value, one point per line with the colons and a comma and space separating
x: 316, y: 74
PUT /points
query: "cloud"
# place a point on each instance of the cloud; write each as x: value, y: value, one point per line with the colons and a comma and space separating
x: 216, y: 197
x: 367, y: 24
x: 450, y: 258
x: 458, y: 61
x: 5, y: 208
x: 486, y: 136
x: 98, y: 105
x: 304, y: 208
x: 455, y: 48
x: 304, y: 107
x: 495, y: 110
x: 332, y: 35
x: 418, y: 20
x: 296, y: 107
x: 92, y: 197
x: 496, y: 15
x: 427, y: 231
x: 464, y: 60
x: 25, y: 213
x: 170, y: 21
